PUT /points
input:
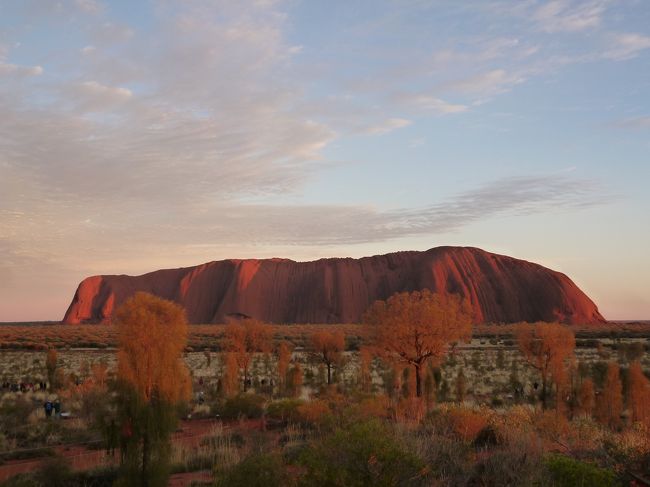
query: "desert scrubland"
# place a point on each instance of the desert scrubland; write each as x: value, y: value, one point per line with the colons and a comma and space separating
x: 479, y: 420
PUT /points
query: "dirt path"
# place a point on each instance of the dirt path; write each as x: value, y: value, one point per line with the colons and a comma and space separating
x: 80, y: 458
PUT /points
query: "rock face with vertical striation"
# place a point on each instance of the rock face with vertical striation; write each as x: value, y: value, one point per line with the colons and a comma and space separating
x: 500, y: 289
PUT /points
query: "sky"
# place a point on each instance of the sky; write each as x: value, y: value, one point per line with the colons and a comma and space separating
x: 139, y: 135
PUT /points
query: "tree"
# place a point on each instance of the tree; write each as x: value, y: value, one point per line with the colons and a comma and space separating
x: 283, y: 353
x: 230, y: 376
x: 547, y: 347
x: 460, y: 386
x: 245, y: 338
x: 610, y: 403
x: 93, y: 396
x: 365, y: 369
x: 638, y: 393
x: 152, y: 381
x: 51, y: 360
x: 415, y: 328
x: 328, y: 347
x: 408, y: 383
x: 501, y: 359
x: 586, y: 397
x: 295, y: 380
x: 429, y: 389
x: 84, y: 369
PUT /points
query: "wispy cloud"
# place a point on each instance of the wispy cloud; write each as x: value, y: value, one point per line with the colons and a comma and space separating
x: 485, y: 84
x: 429, y: 103
x: 387, y: 126
x: 91, y: 96
x: 90, y: 6
x: 569, y: 15
x: 642, y: 122
x: 627, y: 46
x: 318, y: 225
x: 8, y: 69
x: 216, y: 114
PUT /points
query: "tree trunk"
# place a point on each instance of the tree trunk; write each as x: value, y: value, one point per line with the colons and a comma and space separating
x: 418, y: 381
x: 329, y: 374
x: 145, y: 459
x: 544, y: 393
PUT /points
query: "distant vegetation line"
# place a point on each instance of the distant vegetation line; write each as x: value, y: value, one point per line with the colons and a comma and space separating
x: 43, y: 335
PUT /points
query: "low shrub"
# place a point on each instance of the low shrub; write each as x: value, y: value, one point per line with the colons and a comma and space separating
x: 487, y: 437
x: 373, y: 406
x: 367, y: 453
x: 449, y: 459
x: 314, y: 412
x: 513, y: 465
x: 242, y: 406
x: 55, y: 472
x: 285, y: 410
x: 466, y: 423
x: 567, y: 472
x: 259, y: 470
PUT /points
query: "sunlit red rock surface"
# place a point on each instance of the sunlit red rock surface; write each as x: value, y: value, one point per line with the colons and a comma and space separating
x: 338, y: 290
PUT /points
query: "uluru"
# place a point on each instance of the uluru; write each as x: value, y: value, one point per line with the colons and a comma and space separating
x: 500, y: 289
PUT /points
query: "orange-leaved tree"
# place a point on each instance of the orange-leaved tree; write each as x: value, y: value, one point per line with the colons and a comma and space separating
x: 295, y: 380
x: 244, y: 338
x: 152, y: 380
x: 638, y: 393
x: 548, y: 348
x: 610, y: 402
x: 283, y: 353
x: 415, y: 328
x: 587, y: 397
x: 328, y: 348
x: 50, y: 364
x: 365, y: 369
x: 230, y: 375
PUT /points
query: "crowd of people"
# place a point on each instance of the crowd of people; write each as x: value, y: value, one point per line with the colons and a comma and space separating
x: 24, y: 386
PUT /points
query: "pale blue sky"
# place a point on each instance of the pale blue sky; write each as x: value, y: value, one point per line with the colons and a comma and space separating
x: 137, y: 135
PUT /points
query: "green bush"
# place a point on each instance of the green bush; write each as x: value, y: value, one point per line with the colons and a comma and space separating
x: 21, y: 480
x: 365, y: 454
x: 450, y: 460
x: 55, y: 472
x: 512, y: 465
x: 566, y: 472
x: 260, y: 470
x: 244, y: 405
x: 284, y: 409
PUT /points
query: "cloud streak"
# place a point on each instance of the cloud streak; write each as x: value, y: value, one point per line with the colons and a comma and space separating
x: 8, y: 69
x: 642, y: 122
x: 387, y: 126
x: 627, y: 46
x: 569, y: 16
x: 346, y: 225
